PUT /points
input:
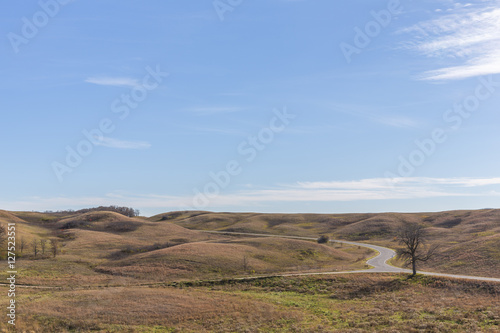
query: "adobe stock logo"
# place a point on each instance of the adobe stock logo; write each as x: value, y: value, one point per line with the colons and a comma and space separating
x: 223, y: 6
x: 40, y: 19
x: 248, y: 150
x: 453, y: 119
x: 121, y: 108
x: 363, y: 37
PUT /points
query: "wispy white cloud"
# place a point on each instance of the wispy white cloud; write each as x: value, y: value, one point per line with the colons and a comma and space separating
x: 397, y: 121
x: 332, y: 191
x: 376, y: 115
x: 405, y: 182
x: 113, y: 81
x: 466, y: 34
x: 64, y: 202
x: 488, y: 64
x: 122, y: 144
x: 365, y: 189
x: 369, y: 189
x: 211, y: 110
x: 224, y: 131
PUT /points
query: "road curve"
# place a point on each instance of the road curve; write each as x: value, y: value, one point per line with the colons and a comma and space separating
x: 379, y: 263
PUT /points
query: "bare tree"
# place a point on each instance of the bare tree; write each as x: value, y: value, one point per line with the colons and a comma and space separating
x: 245, y: 263
x: 43, y: 245
x: 54, y: 247
x: 127, y: 211
x: 35, y: 247
x: 3, y: 234
x: 3, y: 239
x: 412, y: 237
x: 22, y: 244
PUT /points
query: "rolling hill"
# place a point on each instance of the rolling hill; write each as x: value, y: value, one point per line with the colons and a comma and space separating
x: 102, y: 247
x: 160, y: 274
x: 468, y: 240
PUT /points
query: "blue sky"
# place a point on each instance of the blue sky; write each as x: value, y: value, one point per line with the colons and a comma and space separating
x: 268, y: 106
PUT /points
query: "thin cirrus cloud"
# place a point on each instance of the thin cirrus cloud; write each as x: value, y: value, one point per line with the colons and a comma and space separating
x: 113, y: 81
x: 334, y: 191
x: 398, y: 121
x: 343, y: 191
x: 122, y: 144
x: 212, y: 110
x: 372, y: 189
x: 374, y: 116
x: 468, y: 34
x: 402, y: 182
x: 223, y: 131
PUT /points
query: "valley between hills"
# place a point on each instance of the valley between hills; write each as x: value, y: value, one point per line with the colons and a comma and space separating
x: 197, y: 271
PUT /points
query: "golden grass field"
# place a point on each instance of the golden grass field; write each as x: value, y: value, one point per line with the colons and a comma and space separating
x: 118, y: 274
x: 469, y: 241
x: 345, y: 303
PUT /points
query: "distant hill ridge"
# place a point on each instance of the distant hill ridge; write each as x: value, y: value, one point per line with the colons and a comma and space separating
x: 469, y: 240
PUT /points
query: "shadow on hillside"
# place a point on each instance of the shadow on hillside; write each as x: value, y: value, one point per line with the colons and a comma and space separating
x: 361, y: 290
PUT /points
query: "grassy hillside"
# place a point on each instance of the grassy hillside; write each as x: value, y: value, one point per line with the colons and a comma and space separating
x: 25, y: 231
x: 469, y: 240
x: 107, y: 248
x: 215, y: 259
x: 158, y: 274
x: 104, y: 246
x: 346, y: 303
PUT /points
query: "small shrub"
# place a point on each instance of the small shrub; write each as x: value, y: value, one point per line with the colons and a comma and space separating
x: 323, y: 239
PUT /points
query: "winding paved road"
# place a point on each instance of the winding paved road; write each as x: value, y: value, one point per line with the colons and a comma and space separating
x: 379, y: 263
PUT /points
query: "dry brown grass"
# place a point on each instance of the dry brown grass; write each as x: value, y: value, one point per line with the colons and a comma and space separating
x: 96, y: 249
x: 105, y: 257
x: 101, y: 250
x: 468, y: 239
x: 127, y: 310
x: 236, y: 257
x: 24, y: 230
x: 6, y: 216
x: 348, y: 303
